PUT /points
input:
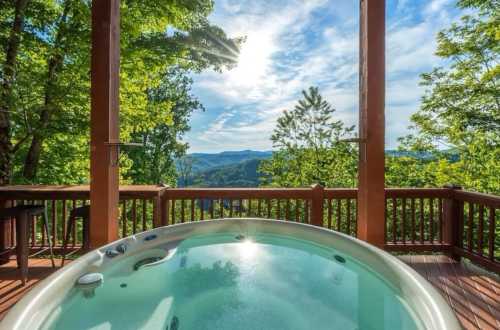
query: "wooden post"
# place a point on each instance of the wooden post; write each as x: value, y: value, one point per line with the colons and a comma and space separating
x: 452, y: 220
x: 317, y: 205
x: 157, y: 211
x: 371, y: 194
x: 104, y: 125
x: 164, y: 209
x: 5, y: 233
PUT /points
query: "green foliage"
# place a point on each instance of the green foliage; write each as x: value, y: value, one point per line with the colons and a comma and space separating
x: 460, y: 110
x: 309, y: 151
x: 162, y: 143
x: 244, y: 174
x: 162, y: 43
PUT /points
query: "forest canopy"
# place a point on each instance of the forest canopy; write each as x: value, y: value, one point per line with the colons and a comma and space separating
x: 45, y: 101
x: 45, y: 92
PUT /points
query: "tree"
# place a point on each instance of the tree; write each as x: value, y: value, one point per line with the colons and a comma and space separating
x: 185, y: 169
x: 154, y: 163
x: 308, y: 145
x: 47, y: 126
x: 461, y: 107
x: 8, y: 72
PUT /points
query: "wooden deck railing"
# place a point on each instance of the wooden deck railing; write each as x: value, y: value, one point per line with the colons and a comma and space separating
x: 449, y: 220
x: 139, y: 207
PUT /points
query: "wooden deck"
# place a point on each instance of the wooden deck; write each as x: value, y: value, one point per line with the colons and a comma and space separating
x: 473, y: 293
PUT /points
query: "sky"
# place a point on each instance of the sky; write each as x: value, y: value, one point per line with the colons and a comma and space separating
x: 293, y: 44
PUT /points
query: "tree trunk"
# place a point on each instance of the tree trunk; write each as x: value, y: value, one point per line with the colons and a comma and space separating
x: 9, y: 70
x: 33, y: 156
x: 54, y: 67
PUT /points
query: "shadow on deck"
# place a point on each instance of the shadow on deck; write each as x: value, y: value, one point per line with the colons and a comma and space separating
x: 473, y: 293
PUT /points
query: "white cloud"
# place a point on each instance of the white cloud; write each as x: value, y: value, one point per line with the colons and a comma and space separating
x: 435, y: 6
x: 291, y: 47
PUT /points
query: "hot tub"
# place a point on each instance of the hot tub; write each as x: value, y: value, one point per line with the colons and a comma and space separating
x: 234, y: 274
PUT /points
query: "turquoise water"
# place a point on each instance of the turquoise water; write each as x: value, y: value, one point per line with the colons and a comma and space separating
x: 219, y: 282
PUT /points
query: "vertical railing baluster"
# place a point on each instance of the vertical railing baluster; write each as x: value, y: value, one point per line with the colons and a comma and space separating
x: 124, y: 218
x: 412, y: 206
x: 33, y: 227
x: 183, y: 202
x: 73, y: 233
x: 259, y: 207
x: 403, y: 221
x: 43, y: 235
x: 144, y: 212
x: 355, y: 217
x: 306, y: 211
x: 386, y: 223
x: 202, y: 209
x: 231, y: 208
x: 480, y: 229
x: 469, y: 226
x: 339, y: 215
x: 221, y: 207
x: 431, y: 220
x: 64, y: 219
x: 13, y: 226
x: 287, y: 210
x: 422, y: 220
x: 491, y: 234
x: 53, y: 222
x: 134, y: 216
x: 268, y: 208
x: 440, y: 219
x: 249, y: 210
x: 348, y: 216
x: 297, y: 210
x: 394, y: 220
x: 329, y: 201
x: 460, y: 223
x: 192, y: 210
x: 174, y: 218
x: 278, y: 209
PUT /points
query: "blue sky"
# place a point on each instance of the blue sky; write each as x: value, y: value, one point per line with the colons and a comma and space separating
x: 294, y: 44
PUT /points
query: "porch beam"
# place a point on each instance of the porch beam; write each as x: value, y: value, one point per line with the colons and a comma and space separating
x: 104, y: 121
x: 371, y: 198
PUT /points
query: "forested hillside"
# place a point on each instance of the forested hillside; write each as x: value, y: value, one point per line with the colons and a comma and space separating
x: 45, y: 104
x: 45, y: 85
x: 241, y: 168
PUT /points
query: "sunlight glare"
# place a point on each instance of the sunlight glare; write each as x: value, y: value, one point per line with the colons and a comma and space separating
x: 254, y: 60
x: 247, y: 249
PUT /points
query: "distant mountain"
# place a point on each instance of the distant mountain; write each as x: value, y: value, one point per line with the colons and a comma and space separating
x: 204, y: 161
x: 239, y: 168
x: 243, y: 174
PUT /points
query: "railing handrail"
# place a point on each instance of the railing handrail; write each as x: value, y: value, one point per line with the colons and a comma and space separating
x: 418, y: 192
x: 61, y: 192
x: 480, y: 198
x: 187, y: 193
x: 448, y: 219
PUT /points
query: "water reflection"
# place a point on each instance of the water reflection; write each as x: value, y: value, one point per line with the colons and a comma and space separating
x: 193, y: 280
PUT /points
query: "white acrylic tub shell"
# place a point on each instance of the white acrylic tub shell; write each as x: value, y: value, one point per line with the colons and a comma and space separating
x: 421, y: 297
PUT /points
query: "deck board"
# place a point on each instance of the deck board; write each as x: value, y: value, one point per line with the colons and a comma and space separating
x: 472, y: 293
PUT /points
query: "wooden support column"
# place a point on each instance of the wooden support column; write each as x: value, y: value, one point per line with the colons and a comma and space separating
x: 452, y: 221
x: 317, y: 198
x: 371, y: 194
x: 104, y: 124
x: 5, y: 235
